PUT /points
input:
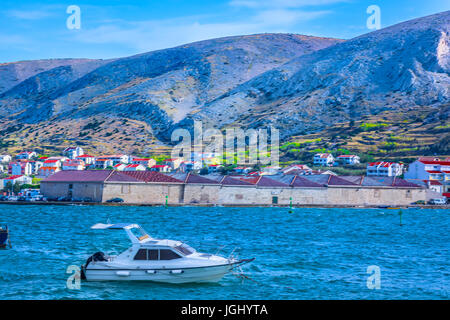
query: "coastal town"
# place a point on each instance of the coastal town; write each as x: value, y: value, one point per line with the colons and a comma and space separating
x: 75, y: 176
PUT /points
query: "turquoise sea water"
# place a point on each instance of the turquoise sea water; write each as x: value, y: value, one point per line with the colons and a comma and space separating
x: 308, y: 254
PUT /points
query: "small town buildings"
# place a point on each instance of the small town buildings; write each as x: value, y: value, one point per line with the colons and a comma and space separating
x: 134, y: 167
x: 5, y: 158
x: 242, y: 170
x: 430, y: 169
x: 296, y: 169
x: 17, y: 168
x: 188, y: 166
x: 47, y: 171
x: 88, y: 160
x: 348, y: 159
x: 117, y: 158
x: 73, y: 164
x: 73, y: 152
x: 21, y: 179
x: 102, y: 163
x: 384, y: 169
x: 323, y: 159
x: 270, y: 170
x: 26, y: 155
x: 161, y: 168
x: 213, y: 168
x: 120, y: 167
x: 146, y: 162
x: 174, y: 163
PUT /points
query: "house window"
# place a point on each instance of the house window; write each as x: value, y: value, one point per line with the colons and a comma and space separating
x: 376, y: 193
x: 274, y: 200
x: 239, y: 196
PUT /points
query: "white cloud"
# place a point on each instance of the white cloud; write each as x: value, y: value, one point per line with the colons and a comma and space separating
x: 29, y: 14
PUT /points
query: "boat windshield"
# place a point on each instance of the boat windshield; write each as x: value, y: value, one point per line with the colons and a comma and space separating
x: 139, y: 233
x: 184, y: 249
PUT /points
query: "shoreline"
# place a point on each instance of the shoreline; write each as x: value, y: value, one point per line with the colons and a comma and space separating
x: 324, y: 206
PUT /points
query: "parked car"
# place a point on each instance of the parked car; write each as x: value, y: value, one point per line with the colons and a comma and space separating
x: 66, y: 199
x: 115, y: 200
x: 3, y: 198
x: 437, y: 201
x: 13, y: 198
x: 419, y: 202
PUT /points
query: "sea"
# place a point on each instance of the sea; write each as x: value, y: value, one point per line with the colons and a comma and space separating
x: 309, y: 253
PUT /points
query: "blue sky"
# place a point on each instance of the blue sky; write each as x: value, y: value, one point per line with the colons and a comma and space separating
x: 116, y: 28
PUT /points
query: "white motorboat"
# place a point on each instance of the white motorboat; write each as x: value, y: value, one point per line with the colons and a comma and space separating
x: 150, y: 259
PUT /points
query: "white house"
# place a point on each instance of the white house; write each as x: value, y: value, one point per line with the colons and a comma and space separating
x: 270, y: 170
x: 134, y: 167
x: 187, y: 166
x: 348, y: 159
x: 323, y: 159
x: 102, y: 163
x: 296, y: 168
x: 73, y: 164
x: 120, y: 167
x: 26, y: 155
x: 384, y: 169
x: 5, y: 158
x: 21, y: 179
x: 73, y: 152
x: 88, y: 160
x: 18, y: 168
x: 161, y: 168
x: 174, y: 163
x: 146, y: 162
x: 428, y: 169
x: 117, y: 158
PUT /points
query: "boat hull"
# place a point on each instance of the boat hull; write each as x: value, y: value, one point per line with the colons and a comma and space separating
x: 186, y: 275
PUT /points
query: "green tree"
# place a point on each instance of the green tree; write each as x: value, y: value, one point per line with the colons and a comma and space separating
x: 16, y: 187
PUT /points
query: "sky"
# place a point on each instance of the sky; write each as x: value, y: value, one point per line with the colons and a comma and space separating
x: 32, y: 30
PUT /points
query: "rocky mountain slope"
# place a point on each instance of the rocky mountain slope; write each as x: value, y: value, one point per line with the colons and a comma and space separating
x: 401, y: 68
x: 297, y: 83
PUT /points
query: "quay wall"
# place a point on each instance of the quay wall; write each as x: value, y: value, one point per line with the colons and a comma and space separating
x: 155, y: 193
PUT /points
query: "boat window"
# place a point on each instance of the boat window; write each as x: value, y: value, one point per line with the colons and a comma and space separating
x: 184, y: 249
x: 152, y: 255
x: 166, y: 254
x: 141, y: 255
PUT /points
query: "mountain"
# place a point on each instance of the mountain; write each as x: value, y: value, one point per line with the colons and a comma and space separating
x: 158, y: 88
x: 299, y: 84
x: 401, y: 68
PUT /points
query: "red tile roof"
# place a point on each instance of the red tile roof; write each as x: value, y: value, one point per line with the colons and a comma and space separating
x: 231, y: 181
x: 336, y: 181
x: 193, y: 178
x: 300, y: 182
x: 14, y: 177
x: 152, y: 176
x: 79, y: 176
x: 434, y: 171
x: 443, y: 163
